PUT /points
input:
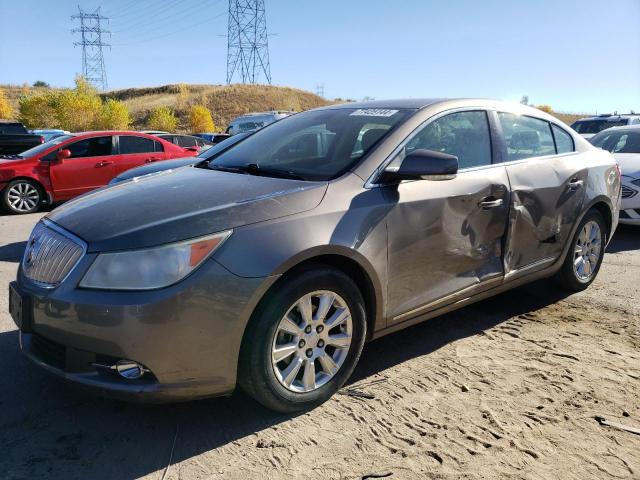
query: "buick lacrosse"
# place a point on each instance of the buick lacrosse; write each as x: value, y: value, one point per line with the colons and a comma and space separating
x: 270, y: 265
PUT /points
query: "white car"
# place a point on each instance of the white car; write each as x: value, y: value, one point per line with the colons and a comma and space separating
x: 624, y: 144
x: 589, y: 126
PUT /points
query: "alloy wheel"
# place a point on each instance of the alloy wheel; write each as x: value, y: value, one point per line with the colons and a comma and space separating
x: 23, y: 197
x: 587, y: 251
x: 312, y: 341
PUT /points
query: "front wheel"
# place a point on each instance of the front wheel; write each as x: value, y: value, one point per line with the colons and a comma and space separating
x: 304, y: 340
x: 585, y: 254
x: 22, y: 196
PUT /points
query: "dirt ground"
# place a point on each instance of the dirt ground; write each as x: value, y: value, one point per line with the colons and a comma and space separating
x: 506, y: 388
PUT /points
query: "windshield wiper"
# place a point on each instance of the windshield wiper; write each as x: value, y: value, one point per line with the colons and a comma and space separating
x: 255, y: 169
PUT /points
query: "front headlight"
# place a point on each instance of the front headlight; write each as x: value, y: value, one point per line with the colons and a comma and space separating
x: 152, y: 267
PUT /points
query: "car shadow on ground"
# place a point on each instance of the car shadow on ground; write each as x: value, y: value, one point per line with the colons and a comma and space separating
x: 48, y: 428
x: 12, y: 252
x: 626, y: 237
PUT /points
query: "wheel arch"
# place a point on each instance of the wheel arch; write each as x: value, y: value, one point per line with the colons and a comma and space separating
x: 43, y: 190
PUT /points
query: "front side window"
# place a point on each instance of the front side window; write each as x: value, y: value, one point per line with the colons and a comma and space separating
x: 526, y: 137
x: 463, y: 134
x: 564, y: 142
x: 131, y: 144
x: 91, y: 147
x: 596, y: 126
x: 186, y: 141
x: 314, y: 145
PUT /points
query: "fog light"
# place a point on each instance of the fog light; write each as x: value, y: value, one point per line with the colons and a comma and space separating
x: 129, y: 369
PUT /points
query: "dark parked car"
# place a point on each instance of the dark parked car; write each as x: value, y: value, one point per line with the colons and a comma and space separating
x: 213, y: 137
x: 187, y: 141
x: 270, y: 266
x: 14, y: 138
x: 150, y: 168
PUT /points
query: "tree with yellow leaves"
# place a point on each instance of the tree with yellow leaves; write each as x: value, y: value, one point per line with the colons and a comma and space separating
x: 6, y: 111
x: 200, y: 119
x: 162, y: 118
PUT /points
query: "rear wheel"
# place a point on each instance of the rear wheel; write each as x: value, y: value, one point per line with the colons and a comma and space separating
x: 22, y: 196
x: 585, y: 255
x: 304, y: 341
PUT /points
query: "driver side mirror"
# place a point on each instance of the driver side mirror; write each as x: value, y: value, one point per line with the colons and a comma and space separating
x: 423, y: 165
x: 62, y: 154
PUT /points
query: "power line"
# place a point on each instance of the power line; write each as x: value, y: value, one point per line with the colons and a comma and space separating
x: 91, y: 32
x: 173, y: 32
x: 247, y: 41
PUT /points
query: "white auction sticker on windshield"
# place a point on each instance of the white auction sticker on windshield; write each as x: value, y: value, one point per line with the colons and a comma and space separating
x: 373, y: 112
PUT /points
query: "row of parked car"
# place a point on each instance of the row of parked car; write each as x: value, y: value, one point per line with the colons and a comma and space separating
x: 49, y: 166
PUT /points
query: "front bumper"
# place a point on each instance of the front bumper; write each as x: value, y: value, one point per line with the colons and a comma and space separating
x: 187, y: 335
x: 630, y: 202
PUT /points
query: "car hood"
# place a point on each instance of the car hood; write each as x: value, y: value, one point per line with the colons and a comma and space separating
x: 180, y: 204
x: 155, y: 167
x: 629, y: 163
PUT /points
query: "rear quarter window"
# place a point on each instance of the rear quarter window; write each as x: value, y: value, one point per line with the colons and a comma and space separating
x: 564, y: 142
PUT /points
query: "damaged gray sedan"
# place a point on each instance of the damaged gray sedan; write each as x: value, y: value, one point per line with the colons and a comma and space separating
x: 272, y: 264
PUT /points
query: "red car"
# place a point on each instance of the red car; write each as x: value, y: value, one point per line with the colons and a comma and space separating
x: 71, y: 165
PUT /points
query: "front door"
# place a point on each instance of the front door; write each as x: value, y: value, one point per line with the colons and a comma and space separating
x: 547, y: 191
x: 135, y: 151
x: 90, y: 166
x: 446, y: 236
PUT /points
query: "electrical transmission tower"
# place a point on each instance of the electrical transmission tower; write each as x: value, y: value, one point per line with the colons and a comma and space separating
x: 248, y: 46
x: 91, y: 32
x: 320, y: 90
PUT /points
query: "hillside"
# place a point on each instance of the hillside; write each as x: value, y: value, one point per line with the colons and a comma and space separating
x: 224, y: 101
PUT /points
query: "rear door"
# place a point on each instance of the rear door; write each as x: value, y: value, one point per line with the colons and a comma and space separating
x: 547, y: 190
x: 446, y: 236
x: 135, y: 151
x: 90, y: 166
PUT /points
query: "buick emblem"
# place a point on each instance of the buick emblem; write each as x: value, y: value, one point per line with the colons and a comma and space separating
x: 31, y: 247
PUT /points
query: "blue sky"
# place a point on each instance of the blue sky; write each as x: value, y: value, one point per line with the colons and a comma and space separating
x: 577, y: 56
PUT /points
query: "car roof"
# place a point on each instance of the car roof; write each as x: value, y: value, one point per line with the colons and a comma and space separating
x: 622, y: 128
x: 608, y: 118
x: 392, y: 103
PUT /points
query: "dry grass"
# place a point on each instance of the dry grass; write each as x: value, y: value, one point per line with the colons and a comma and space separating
x: 224, y: 101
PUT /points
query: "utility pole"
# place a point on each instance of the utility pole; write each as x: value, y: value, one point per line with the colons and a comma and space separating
x: 320, y: 90
x: 248, y: 45
x: 91, y: 32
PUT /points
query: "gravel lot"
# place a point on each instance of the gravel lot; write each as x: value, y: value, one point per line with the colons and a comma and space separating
x: 508, y: 387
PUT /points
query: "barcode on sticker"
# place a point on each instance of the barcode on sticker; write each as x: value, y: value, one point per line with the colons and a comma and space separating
x: 373, y: 112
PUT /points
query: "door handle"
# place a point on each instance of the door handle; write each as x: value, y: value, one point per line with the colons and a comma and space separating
x: 104, y: 163
x: 575, y: 184
x: 490, y: 202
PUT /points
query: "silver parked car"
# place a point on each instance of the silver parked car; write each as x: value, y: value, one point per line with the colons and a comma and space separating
x: 271, y: 265
x: 254, y: 121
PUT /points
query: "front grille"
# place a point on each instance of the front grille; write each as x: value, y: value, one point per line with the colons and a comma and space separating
x: 50, y: 255
x: 628, y: 192
x: 50, y: 352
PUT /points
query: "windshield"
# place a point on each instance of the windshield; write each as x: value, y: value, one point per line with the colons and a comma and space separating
x: 315, y: 145
x: 44, y: 146
x: 618, y: 141
x: 596, y: 126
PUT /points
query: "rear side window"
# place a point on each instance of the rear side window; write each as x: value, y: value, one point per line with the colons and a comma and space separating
x: 91, y: 147
x: 12, y: 129
x: 131, y: 144
x: 463, y: 134
x: 526, y: 137
x: 186, y: 141
x: 564, y: 142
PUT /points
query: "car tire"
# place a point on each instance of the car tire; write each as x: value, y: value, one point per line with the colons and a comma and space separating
x: 22, y: 196
x: 277, y: 384
x: 584, y: 258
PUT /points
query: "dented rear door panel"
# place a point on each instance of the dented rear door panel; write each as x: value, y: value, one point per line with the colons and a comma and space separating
x: 547, y: 198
